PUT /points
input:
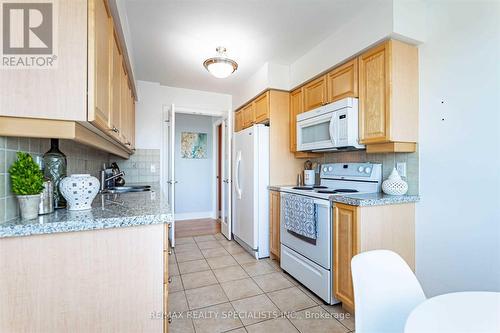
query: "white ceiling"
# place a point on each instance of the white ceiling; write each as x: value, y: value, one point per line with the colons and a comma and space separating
x: 170, y: 39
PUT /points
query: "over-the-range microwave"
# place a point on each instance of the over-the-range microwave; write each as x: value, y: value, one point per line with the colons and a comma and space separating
x: 330, y: 127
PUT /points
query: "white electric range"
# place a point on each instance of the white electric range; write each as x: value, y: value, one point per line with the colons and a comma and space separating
x: 310, y: 261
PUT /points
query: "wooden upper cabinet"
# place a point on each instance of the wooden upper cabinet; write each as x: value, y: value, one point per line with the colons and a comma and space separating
x: 100, y: 44
x: 296, y: 107
x: 261, y: 108
x: 274, y: 223
x: 315, y: 93
x: 388, y: 95
x: 342, y: 81
x: 115, y: 121
x: 124, y: 106
x: 345, y: 247
x: 248, y: 115
x: 238, y: 121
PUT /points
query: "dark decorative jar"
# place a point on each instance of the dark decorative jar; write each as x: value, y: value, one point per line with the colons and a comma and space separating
x: 55, y: 169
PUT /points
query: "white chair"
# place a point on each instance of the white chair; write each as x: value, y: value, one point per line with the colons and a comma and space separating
x: 385, y: 291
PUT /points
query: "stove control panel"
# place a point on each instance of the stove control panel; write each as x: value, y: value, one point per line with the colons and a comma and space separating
x: 368, y: 171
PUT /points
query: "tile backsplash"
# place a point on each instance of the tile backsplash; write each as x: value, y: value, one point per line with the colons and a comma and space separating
x: 388, y: 162
x: 142, y: 167
x: 81, y: 159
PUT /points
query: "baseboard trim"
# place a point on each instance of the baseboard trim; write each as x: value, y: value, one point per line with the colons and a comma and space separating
x: 194, y: 216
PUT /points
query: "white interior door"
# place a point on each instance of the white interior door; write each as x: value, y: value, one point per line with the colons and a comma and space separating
x: 226, y: 225
x: 171, y: 168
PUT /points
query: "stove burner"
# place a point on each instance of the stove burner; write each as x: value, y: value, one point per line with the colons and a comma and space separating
x: 302, y: 187
x: 340, y: 190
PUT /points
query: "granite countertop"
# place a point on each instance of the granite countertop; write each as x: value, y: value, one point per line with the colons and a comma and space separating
x: 374, y: 199
x: 368, y: 199
x: 108, y: 211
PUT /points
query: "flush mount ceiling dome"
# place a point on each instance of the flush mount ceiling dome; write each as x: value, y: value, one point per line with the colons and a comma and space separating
x: 220, y: 66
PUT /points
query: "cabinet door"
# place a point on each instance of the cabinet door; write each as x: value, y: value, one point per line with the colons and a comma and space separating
x: 342, y: 81
x: 238, y: 125
x: 345, y: 247
x: 248, y: 115
x: 261, y: 105
x: 274, y: 223
x: 315, y: 93
x: 102, y: 75
x: 296, y: 107
x: 132, y: 121
x: 115, y: 121
x: 124, y: 93
x: 374, y: 93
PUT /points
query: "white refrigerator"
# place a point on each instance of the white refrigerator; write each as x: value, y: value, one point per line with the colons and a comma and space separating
x: 250, y: 193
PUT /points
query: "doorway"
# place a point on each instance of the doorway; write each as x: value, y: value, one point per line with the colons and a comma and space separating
x: 219, y: 162
x: 196, y: 168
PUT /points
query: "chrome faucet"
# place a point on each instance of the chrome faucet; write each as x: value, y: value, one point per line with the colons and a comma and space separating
x: 105, y: 179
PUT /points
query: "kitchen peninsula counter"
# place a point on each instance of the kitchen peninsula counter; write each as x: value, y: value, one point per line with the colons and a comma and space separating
x: 108, y: 211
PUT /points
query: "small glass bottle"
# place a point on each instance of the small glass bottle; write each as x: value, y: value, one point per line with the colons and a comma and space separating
x: 55, y: 169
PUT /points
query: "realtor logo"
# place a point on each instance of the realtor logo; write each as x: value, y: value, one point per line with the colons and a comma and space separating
x: 28, y: 34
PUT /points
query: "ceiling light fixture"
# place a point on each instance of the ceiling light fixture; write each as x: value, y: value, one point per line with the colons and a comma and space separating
x: 220, y: 66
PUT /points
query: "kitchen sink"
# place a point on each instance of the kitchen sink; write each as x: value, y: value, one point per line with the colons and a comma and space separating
x: 125, y: 189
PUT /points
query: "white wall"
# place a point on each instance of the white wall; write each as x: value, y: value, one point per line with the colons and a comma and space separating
x: 458, y: 223
x: 153, y: 96
x: 373, y: 22
x: 269, y: 75
x: 194, y: 192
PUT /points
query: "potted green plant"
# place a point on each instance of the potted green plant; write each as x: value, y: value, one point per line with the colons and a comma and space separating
x: 27, y: 183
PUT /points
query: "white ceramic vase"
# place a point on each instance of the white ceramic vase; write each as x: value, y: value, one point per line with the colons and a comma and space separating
x: 79, y: 190
x: 394, y: 185
x: 28, y: 205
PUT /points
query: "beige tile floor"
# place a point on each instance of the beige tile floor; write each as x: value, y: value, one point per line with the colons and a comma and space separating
x: 218, y: 287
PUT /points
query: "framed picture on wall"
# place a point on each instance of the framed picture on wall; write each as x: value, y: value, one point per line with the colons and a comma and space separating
x: 193, y: 145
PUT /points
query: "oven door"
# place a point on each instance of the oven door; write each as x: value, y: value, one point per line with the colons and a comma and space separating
x: 318, y: 251
x: 316, y: 133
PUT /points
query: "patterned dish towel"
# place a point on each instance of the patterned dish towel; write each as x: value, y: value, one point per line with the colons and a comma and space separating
x: 299, y: 214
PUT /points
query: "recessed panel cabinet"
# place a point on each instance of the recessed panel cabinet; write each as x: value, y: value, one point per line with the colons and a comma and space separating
x: 345, y: 247
x: 296, y: 107
x: 261, y: 108
x: 315, y: 93
x: 248, y: 115
x: 388, y: 97
x: 116, y: 78
x: 274, y: 223
x: 359, y: 229
x: 342, y: 81
x: 100, y: 50
x: 238, y: 121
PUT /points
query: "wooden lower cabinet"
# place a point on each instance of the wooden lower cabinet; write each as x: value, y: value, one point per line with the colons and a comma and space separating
x: 345, y: 247
x: 359, y: 229
x: 166, y: 278
x: 274, y: 223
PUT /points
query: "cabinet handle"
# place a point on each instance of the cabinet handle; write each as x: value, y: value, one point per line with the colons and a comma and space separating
x: 169, y: 320
x: 169, y: 252
x: 169, y: 226
x: 116, y: 130
x: 169, y: 279
x: 128, y: 143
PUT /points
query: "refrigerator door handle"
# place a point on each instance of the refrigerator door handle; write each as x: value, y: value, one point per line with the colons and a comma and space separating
x: 238, y: 162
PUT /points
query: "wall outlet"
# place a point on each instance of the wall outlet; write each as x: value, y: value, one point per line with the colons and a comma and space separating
x: 401, y: 167
x: 153, y: 168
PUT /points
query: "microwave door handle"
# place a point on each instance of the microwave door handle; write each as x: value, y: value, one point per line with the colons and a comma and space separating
x: 332, y: 129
